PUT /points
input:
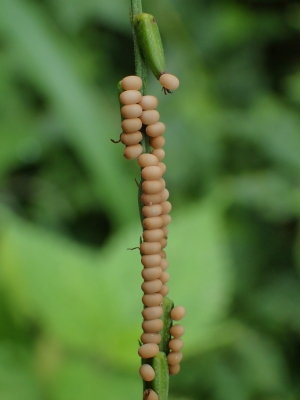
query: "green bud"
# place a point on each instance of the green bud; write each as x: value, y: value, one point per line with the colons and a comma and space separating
x: 150, y: 43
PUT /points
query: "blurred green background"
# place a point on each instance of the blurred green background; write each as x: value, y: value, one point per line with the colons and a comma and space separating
x: 70, y: 298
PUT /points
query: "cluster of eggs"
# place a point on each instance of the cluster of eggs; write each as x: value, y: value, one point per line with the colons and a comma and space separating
x: 138, y: 110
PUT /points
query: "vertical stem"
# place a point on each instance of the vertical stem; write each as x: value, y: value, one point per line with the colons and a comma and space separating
x: 159, y: 362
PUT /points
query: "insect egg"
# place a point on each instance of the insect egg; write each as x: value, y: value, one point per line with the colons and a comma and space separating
x: 166, y: 207
x: 131, y: 111
x: 148, y: 350
x: 176, y: 344
x: 153, y: 223
x: 150, y: 248
x: 146, y: 160
x: 147, y: 372
x: 174, y: 369
x: 159, y: 153
x: 132, y: 82
x: 177, y: 331
x: 165, y: 277
x: 152, y: 326
x: 164, y: 195
x: 164, y: 264
x: 156, y: 129
x: 152, y: 187
x: 130, y: 125
x: 150, y: 199
x: 131, y: 152
x: 174, y: 357
x: 163, y: 254
x: 152, y: 312
x: 131, y: 138
x: 162, y: 166
x: 149, y: 394
x: 149, y: 117
x: 150, y: 338
x: 166, y: 219
x: 152, y: 211
x: 149, y: 274
x: 148, y: 102
x: 130, y: 97
x: 152, y: 300
x: 157, y: 142
x: 152, y: 173
x: 164, y: 290
x: 153, y: 235
x: 177, y: 313
x: 163, y: 243
x: 150, y: 287
x: 169, y: 81
x: 151, y: 260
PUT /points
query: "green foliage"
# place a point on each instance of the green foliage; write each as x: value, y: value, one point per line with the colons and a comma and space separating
x: 70, y: 303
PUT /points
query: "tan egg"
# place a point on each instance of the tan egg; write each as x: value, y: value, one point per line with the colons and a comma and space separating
x: 150, y: 248
x: 152, y: 260
x: 152, y: 211
x: 152, y: 326
x: 131, y: 82
x: 162, y: 166
x: 130, y: 125
x: 156, y: 129
x: 151, y: 338
x: 157, y: 142
x: 148, y: 350
x: 159, y: 153
x: 131, y: 111
x: 169, y: 81
x: 163, y: 182
x: 153, y: 235
x: 150, y: 199
x: 164, y: 264
x: 163, y: 254
x: 163, y: 243
x: 174, y: 369
x: 164, y: 195
x: 166, y: 219
x: 152, y: 173
x: 149, y: 394
x: 131, y: 138
x: 147, y: 372
x: 130, y: 97
x: 164, y: 290
x: 148, y: 102
x: 152, y: 187
x: 152, y: 223
x: 176, y: 344
x: 147, y: 160
x: 149, y: 117
x: 131, y: 152
x: 165, y: 277
x: 177, y: 330
x: 174, y: 357
x: 150, y: 287
x: 177, y: 313
x: 166, y: 207
x: 165, y: 230
x: 152, y: 300
x: 152, y: 312
x: 149, y: 274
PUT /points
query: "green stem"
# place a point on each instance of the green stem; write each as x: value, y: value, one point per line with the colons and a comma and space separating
x: 160, y: 384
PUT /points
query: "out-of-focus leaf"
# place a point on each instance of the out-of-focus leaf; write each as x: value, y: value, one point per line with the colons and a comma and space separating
x: 48, y: 61
x: 17, y: 374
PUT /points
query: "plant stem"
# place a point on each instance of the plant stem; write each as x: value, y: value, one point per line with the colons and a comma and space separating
x: 160, y: 384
